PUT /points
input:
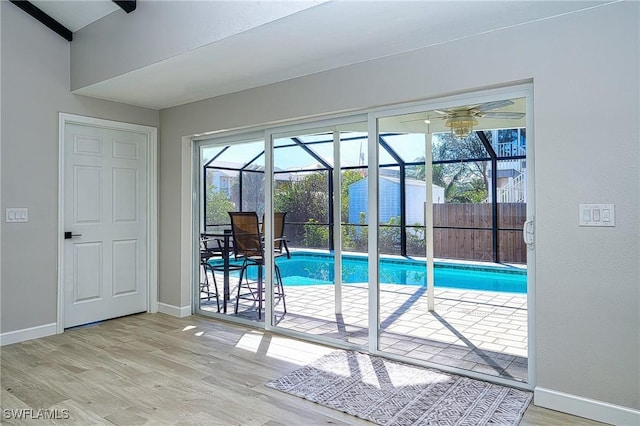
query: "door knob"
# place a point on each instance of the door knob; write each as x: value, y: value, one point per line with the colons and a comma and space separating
x: 68, y: 235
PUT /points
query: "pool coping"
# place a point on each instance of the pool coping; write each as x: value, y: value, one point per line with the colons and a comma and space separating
x: 515, y: 269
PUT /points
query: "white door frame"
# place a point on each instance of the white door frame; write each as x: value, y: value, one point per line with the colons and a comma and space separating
x: 152, y: 204
x: 189, y: 204
x: 524, y: 90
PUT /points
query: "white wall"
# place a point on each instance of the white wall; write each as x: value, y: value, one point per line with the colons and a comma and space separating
x: 584, y: 69
x: 112, y: 46
x: 35, y: 88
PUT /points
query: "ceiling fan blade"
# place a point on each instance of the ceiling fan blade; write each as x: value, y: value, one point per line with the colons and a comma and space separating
x: 441, y: 111
x: 500, y: 114
x: 413, y: 120
x: 488, y: 106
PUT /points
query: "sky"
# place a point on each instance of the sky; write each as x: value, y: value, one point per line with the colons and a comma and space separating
x: 352, y: 152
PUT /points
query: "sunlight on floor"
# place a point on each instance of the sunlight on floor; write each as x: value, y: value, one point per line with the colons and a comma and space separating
x: 250, y: 341
x: 285, y: 349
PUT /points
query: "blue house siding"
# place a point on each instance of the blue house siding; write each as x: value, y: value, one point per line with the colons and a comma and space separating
x: 389, y: 196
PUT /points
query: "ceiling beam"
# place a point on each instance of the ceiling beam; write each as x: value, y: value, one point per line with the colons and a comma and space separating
x: 47, y: 20
x: 126, y: 5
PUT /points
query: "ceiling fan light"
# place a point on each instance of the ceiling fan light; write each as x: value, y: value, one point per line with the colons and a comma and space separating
x: 461, y: 125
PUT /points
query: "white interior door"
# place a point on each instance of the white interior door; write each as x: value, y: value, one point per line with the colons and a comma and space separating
x: 105, y: 213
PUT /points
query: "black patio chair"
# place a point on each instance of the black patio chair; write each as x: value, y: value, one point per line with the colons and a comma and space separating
x: 208, y: 250
x: 249, y: 246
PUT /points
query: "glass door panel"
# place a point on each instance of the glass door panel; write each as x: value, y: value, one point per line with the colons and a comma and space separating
x: 472, y: 314
x: 316, y: 172
x: 401, y: 234
x: 353, y: 317
x: 232, y: 180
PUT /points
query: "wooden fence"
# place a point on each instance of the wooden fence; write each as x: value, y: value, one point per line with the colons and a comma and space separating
x: 474, y: 244
x: 449, y: 243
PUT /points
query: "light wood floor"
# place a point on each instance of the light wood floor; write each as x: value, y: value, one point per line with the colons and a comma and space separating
x: 157, y: 369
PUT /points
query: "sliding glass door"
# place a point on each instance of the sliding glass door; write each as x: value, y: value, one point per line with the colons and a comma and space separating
x: 317, y: 173
x: 231, y: 180
x: 396, y: 232
x: 452, y: 271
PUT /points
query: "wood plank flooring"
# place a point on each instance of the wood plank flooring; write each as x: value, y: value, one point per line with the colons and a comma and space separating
x: 157, y: 369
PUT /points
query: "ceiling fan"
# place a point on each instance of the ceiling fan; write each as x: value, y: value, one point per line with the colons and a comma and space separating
x: 462, y: 119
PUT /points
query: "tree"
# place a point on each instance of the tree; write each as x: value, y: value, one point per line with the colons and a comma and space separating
x: 305, y: 200
x: 253, y: 191
x: 356, y: 237
x: 474, y: 191
x: 315, y: 235
x: 416, y: 243
x: 217, y: 207
x: 348, y: 177
x: 389, y: 236
x: 459, y: 179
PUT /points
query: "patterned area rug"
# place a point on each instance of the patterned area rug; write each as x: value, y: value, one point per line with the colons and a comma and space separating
x: 391, y: 393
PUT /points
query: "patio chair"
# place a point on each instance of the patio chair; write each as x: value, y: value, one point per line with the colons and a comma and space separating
x: 280, y: 247
x: 208, y: 250
x: 249, y: 246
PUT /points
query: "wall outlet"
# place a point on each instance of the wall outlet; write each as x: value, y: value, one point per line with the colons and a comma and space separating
x: 596, y: 215
x: 20, y: 214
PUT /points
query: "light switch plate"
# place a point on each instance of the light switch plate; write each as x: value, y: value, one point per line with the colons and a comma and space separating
x: 596, y: 215
x: 20, y: 214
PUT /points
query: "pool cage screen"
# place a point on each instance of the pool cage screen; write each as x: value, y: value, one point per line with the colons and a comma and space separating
x: 479, y: 193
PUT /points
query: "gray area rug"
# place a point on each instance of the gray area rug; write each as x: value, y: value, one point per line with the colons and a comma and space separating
x: 392, y: 393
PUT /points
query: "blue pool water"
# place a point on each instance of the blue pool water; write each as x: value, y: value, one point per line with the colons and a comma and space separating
x: 312, y: 268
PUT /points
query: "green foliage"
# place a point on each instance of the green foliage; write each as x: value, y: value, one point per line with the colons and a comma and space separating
x: 252, y: 192
x: 218, y: 206
x: 416, y: 244
x: 389, y: 236
x: 305, y: 201
x: 348, y: 177
x: 353, y: 237
x: 462, y: 182
x: 474, y: 191
x: 315, y: 235
x: 356, y: 237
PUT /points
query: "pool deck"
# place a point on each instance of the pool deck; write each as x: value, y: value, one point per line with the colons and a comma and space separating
x: 481, y: 331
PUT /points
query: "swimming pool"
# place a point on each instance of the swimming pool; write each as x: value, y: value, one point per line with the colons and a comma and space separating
x: 317, y: 268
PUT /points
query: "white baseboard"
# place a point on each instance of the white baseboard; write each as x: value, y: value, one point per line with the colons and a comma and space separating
x: 28, y: 334
x: 175, y: 311
x: 585, y: 407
